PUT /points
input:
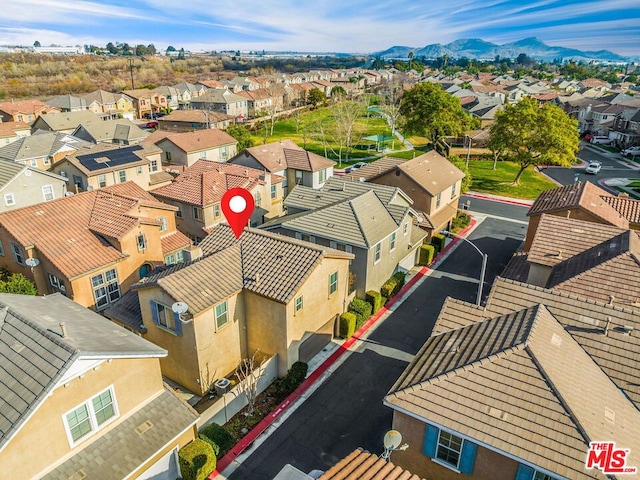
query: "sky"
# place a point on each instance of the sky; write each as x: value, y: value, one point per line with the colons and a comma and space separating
x: 350, y: 26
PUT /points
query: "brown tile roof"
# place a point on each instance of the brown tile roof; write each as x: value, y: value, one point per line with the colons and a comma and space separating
x: 362, y: 465
x: 8, y: 129
x: 174, y: 241
x: 205, y: 182
x: 278, y: 156
x: 196, y: 116
x: 300, y: 159
x: 374, y: 169
x: 25, y: 106
x: 212, y: 84
x: 629, y: 208
x: 518, y: 382
x: 517, y: 268
x: 139, y: 93
x: 201, y: 140
x: 160, y: 177
x: 253, y: 95
x: 53, y: 226
x: 583, y: 195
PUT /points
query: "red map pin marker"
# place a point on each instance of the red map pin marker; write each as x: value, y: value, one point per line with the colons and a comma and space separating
x: 237, y: 206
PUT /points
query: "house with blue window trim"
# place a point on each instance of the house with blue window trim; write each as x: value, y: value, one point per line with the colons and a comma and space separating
x: 513, y: 397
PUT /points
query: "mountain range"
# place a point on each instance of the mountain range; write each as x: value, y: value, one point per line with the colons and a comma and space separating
x: 480, y: 49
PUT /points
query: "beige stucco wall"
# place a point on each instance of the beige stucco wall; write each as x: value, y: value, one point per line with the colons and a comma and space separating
x: 489, y: 465
x: 27, y: 189
x: 134, y: 381
x: 180, y: 157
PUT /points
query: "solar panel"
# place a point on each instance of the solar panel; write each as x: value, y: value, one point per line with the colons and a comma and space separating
x: 110, y: 158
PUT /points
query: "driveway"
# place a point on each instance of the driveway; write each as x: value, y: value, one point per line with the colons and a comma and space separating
x: 346, y: 412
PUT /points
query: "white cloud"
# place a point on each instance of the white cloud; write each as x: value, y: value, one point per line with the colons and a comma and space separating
x: 64, y: 12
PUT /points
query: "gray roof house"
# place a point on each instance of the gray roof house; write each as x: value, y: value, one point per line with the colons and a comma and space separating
x: 374, y: 222
x: 21, y: 186
x: 72, y: 373
x: 63, y: 122
x: 42, y: 149
x: 68, y: 103
x: 122, y: 131
x: 222, y: 101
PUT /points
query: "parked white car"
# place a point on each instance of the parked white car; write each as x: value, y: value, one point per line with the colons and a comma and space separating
x: 601, y: 140
x: 631, y: 151
x: 594, y: 168
x: 355, y: 167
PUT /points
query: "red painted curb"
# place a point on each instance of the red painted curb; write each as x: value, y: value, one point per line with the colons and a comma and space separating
x: 499, y: 199
x: 250, y: 437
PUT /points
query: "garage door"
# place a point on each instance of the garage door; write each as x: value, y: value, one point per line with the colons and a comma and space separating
x: 408, y: 262
x: 312, y: 345
x: 164, y: 469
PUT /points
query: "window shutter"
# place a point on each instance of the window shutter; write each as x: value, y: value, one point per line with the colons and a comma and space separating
x: 176, y: 319
x: 430, y: 441
x: 524, y: 472
x: 468, y: 457
x: 154, y: 312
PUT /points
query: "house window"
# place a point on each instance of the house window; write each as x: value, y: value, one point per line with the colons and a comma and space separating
x: 222, y: 318
x: 18, y: 254
x: 526, y: 472
x: 258, y: 198
x: 453, y: 191
x: 106, y: 288
x: 273, y: 192
x: 33, y: 162
x: 102, y: 181
x: 224, y: 152
x: 122, y: 176
x: 168, y: 156
x: 298, y: 176
x: 449, y: 450
x: 165, y: 316
x: 405, y: 229
x: 46, y: 161
x: 177, y: 257
x: 298, y: 236
x: 216, y: 210
x: 1, y: 248
x: 377, y: 252
x: 333, y: 283
x: 142, y: 242
x: 9, y: 199
x: 392, y: 242
x: 153, y: 166
x: 197, y: 213
x: 298, y: 303
x: 56, y: 284
x: 47, y: 193
x: 438, y: 199
x: 322, y: 176
x: 163, y: 223
x: 203, y: 155
x: 89, y: 417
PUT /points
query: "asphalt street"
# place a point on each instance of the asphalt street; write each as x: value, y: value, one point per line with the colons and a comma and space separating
x: 346, y: 412
x: 497, y: 209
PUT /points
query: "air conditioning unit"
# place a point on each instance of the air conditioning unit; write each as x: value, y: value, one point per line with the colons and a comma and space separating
x: 222, y: 386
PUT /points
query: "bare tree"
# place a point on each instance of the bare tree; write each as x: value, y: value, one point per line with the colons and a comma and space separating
x: 250, y: 370
x: 391, y: 106
x: 207, y: 378
x: 276, y: 94
x: 344, y: 116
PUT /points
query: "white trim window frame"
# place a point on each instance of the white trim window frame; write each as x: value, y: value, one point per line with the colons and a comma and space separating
x: 18, y: 253
x: 377, y: 252
x: 9, y: 199
x: 47, y: 193
x: 57, y: 285
x: 449, y: 449
x: 333, y: 283
x: 298, y: 303
x: 106, y: 288
x: 92, y: 415
x: 392, y: 242
x: 221, y: 311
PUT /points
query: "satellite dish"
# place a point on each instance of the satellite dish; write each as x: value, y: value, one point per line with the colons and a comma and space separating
x: 392, y: 439
x: 362, y: 179
x: 180, y: 308
x: 420, y: 219
x: 32, y: 262
x: 89, y: 188
x: 69, y: 194
x: 27, y: 173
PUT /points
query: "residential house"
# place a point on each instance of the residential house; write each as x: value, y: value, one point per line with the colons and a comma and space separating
x: 146, y: 101
x: 63, y: 122
x: 110, y: 106
x: 171, y: 94
x: 287, y: 159
x: 21, y: 186
x: 579, y: 200
x: 243, y: 84
x: 187, y: 91
x: 91, y: 246
x: 262, y: 292
x: 374, y: 222
x: 626, y: 128
x: 211, y: 85
x: 223, y: 101
x: 104, y: 165
x: 68, y: 103
x: 189, y: 120
x: 42, y: 149
x: 510, y: 395
x: 122, y: 131
x: 94, y: 388
x: 188, y: 147
x: 12, y: 131
x: 603, y: 116
x: 24, y: 110
x: 259, y: 102
x: 430, y: 180
x: 198, y: 191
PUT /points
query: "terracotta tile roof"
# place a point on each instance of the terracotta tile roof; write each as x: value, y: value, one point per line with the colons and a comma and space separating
x: 25, y: 106
x: 53, y: 226
x: 205, y: 182
x: 629, y: 208
x: 160, y: 177
x: 139, y: 93
x: 9, y: 129
x: 212, y: 84
x: 278, y: 156
x: 201, y: 140
x: 362, y: 465
x: 174, y: 242
x: 300, y: 159
x: 518, y: 382
x: 253, y: 95
x: 583, y: 195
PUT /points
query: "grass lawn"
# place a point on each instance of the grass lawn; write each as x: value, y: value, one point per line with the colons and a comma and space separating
x: 498, y: 182
x: 409, y: 154
x: 365, y: 126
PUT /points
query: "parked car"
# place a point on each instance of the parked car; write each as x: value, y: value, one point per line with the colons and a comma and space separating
x: 631, y: 151
x: 594, y: 168
x: 600, y: 140
x: 152, y: 124
x: 355, y: 167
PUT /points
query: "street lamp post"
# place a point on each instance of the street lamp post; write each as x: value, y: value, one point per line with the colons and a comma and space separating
x: 484, y: 263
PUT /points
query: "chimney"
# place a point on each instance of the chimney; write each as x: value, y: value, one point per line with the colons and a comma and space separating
x: 623, y: 195
x: 611, y: 299
x: 63, y: 329
x: 606, y: 327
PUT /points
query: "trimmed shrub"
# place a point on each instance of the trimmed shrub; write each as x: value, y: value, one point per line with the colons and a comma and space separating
x: 427, y: 252
x: 375, y: 300
x: 197, y: 460
x: 287, y: 384
x: 216, y: 448
x: 362, y: 311
x: 438, y: 241
x: 218, y: 436
x: 393, y: 285
x: 399, y: 276
x: 347, y: 324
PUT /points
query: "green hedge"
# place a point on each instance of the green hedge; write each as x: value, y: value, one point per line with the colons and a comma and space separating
x: 362, y: 311
x: 375, y: 300
x: 287, y: 384
x: 393, y: 285
x: 427, y: 252
x: 219, y: 437
x: 438, y: 241
x: 347, y: 324
x: 197, y: 460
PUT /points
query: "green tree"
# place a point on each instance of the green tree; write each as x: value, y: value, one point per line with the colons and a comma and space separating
x: 531, y: 135
x: 315, y: 97
x: 16, y: 283
x: 171, y: 48
x: 36, y: 43
x: 427, y: 110
x: 112, y: 49
x: 151, y: 49
x: 242, y: 135
x: 140, y: 50
x: 338, y: 93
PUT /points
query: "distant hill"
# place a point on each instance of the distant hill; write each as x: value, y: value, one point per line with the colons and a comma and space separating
x: 478, y: 48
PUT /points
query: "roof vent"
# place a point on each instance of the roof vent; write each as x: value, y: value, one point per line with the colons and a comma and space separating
x: 63, y: 329
x: 609, y: 415
x: 143, y: 427
x: 626, y: 329
x: 556, y: 340
x: 611, y: 299
x: 79, y: 475
x: 607, y: 326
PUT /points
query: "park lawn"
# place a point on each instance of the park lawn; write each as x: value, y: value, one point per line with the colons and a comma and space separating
x: 286, y: 128
x: 498, y: 182
x: 409, y: 154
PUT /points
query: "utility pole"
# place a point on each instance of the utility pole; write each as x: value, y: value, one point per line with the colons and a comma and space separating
x: 131, y: 71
